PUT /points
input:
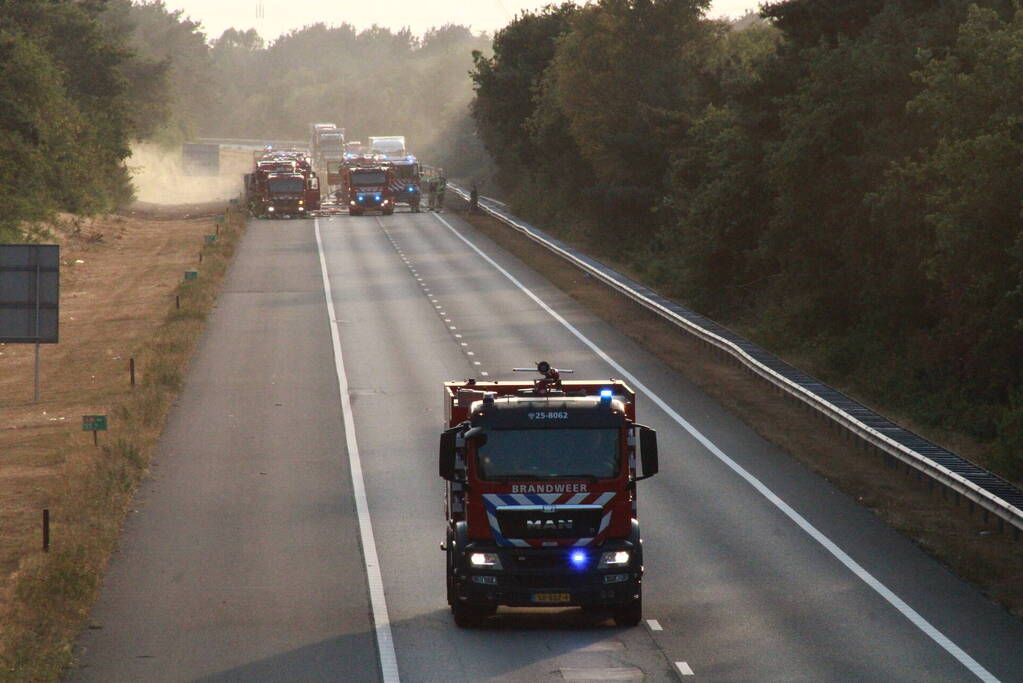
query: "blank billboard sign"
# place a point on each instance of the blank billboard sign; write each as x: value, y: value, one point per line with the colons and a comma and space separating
x: 200, y: 159
x: 29, y: 293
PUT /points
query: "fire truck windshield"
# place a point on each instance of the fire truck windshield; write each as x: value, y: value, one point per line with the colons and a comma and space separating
x: 368, y: 178
x: 549, y: 454
x: 286, y: 185
x: 405, y: 170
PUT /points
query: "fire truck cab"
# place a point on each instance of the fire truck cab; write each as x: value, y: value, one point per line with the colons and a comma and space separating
x: 541, y: 495
x: 406, y: 183
x: 369, y: 189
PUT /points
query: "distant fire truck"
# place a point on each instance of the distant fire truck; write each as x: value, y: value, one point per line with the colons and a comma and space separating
x: 406, y: 184
x: 541, y: 495
x: 367, y: 185
x: 282, y: 184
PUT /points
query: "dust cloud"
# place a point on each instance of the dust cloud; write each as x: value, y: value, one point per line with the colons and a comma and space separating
x: 159, y: 179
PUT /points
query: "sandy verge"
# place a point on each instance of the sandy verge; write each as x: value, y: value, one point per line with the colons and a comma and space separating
x: 118, y: 274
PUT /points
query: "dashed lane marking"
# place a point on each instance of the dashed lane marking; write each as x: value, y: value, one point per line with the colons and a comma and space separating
x: 684, y: 669
x: 437, y: 305
x: 654, y: 625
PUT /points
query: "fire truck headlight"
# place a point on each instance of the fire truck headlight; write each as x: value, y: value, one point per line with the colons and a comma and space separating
x: 270, y: 209
x: 301, y: 202
x: 614, y: 558
x: 301, y: 208
x: 485, y: 560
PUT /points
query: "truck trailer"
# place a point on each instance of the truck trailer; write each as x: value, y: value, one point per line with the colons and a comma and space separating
x: 541, y: 495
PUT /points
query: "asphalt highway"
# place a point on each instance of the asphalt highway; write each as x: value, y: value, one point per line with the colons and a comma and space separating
x: 291, y: 528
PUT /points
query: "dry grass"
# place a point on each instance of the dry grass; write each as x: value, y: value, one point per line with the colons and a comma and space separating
x: 971, y: 547
x: 119, y: 279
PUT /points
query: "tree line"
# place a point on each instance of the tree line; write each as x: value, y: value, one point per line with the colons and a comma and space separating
x: 81, y: 80
x: 842, y: 180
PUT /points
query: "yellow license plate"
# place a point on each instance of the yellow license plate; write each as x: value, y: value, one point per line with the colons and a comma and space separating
x: 552, y: 597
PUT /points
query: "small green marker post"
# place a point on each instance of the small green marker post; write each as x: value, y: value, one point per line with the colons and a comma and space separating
x: 94, y: 424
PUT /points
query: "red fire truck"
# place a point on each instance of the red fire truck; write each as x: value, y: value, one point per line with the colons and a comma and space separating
x: 366, y: 184
x: 282, y: 184
x: 541, y: 495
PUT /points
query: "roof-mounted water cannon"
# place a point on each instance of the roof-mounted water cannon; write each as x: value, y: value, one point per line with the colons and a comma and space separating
x: 551, y: 380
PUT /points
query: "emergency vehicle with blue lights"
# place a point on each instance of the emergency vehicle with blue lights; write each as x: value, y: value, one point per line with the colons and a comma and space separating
x: 366, y: 185
x: 541, y: 495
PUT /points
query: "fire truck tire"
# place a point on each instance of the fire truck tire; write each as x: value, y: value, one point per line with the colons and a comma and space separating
x: 468, y: 616
x: 630, y: 614
x: 388, y: 212
x: 354, y: 212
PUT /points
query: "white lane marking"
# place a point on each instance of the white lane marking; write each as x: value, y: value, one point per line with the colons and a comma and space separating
x: 621, y: 673
x: 385, y: 641
x: 654, y: 625
x: 684, y: 669
x: 895, y: 601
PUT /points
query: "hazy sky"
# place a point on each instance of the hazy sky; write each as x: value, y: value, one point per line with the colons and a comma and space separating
x: 274, y: 17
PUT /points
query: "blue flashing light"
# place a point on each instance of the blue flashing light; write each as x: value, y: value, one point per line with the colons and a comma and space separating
x: 376, y: 197
x: 578, y: 559
x: 606, y: 395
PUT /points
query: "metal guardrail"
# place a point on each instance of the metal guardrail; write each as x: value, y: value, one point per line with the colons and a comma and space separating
x: 985, y: 489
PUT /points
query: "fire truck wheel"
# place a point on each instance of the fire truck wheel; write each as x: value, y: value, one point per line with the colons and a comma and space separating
x: 388, y: 212
x: 630, y: 614
x: 468, y: 616
x: 354, y: 212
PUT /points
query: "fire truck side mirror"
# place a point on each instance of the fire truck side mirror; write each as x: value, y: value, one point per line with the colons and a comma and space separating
x: 647, y: 451
x: 447, y: 454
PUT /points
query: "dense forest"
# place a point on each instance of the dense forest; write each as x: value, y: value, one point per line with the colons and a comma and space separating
x: 842, y: 180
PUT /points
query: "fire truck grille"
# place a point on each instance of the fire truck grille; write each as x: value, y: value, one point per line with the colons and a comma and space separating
x: 552, y: 580
x: 531, y: 523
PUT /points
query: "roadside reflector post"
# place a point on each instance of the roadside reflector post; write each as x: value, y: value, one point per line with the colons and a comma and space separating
x: 200, y: 256
x: 46, y: 530
x: 94, y: 424
x: 131, y: 370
